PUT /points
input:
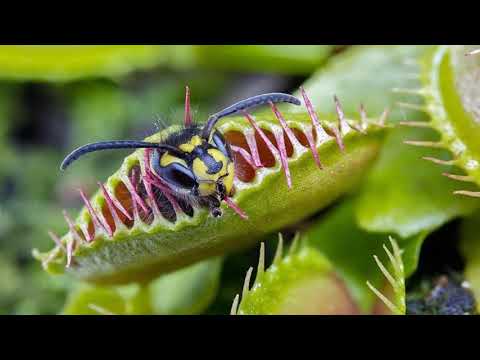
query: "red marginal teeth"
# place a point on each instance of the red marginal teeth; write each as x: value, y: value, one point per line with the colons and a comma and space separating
x: 235, y: 208
x: 188, y: 115
x: 71, y: 226
x: 95, y: 218
x: 313, y: 148
x: 113, y: 203
x: 260, y: 132
x: 136, y: 198
x: 283, y: 123
x: 153, y: 203
x: 245, y: 154
x: 283, y: 156
x: 252, y: 144
x: 56, y: 240
x: 86, y: 233
x: 70, y: 246
x: 321, y: 133
x: 342, y: 124
x: 110, y: 206
x: 152, y: 178
x: 165, y: 191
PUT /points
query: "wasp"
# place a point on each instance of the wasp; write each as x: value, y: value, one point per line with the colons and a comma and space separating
x: 195, y: 162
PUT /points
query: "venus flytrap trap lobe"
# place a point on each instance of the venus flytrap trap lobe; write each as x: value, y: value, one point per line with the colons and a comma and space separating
x: 107, y: 246
x: 301, y: 281
x: 450, y: 80
x: 304, y: 281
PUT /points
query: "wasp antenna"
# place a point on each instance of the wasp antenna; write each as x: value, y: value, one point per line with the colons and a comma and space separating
x: 116, y: 144
x: 246, y: 104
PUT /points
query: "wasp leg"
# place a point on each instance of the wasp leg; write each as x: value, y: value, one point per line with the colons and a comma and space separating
x: 213, y: 205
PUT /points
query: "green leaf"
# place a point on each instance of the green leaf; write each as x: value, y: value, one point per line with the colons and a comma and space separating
x: 406, y: 195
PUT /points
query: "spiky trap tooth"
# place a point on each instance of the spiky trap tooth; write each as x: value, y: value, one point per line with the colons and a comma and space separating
x: 114, y: 203
x: 430, y: 144
x: 342, y: 122
x: 475, y: 194
x: 236, y: 208
x: 97, y: 222
x: 412, y: 106
x: 70, y: 248
x: 313, y: 149
x: 282, y: 150
x: 384, y: 117
x: 188, y: 115
x: 464, y: 178
x: 261, y: 263
x: 279, y: 251
x: 283, y: 123
x: 439, y: 161
x: 246, y: 283
x: 473, y: 52
x: 407, y: 91
x: 396, y: 280
x: 57, y: 240
x: 234, y: 309
x: 71, y: 227
x: 245, y: 154
x: 418, y: 124
x: 136, y: 198
x: 252, y: 144
x: 321, y: 133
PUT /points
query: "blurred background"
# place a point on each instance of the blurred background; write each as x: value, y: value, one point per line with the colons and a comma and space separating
x: 55, y: 98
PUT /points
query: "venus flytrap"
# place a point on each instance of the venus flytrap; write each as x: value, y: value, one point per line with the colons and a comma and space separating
x: 287, y: 165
